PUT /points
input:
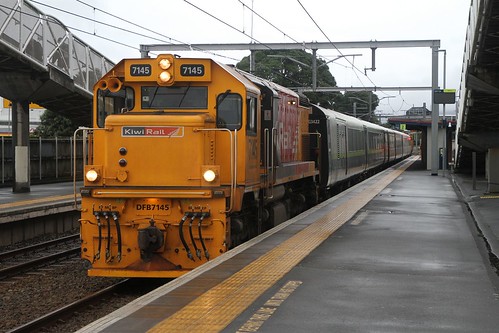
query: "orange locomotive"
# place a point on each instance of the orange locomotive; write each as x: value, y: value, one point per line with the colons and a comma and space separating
x: 186, y: 159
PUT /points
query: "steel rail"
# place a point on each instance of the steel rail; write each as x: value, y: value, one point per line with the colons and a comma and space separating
x: 35, y: 247
x: 51, y: 317
x: 12, y: 270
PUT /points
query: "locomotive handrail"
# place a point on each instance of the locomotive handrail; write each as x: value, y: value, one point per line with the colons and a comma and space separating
x: 270, y: 167
x: 233, y: 156
x: 272, y: 161
x: 84, y: 156
x: 267, y: 158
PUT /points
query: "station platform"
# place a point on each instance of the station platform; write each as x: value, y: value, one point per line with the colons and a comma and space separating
x: 399, y: 252
x: 42, y: 200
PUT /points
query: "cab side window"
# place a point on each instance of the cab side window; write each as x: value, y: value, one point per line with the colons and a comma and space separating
x: 113, y: 103
x: 229, y: 111
x: 251, y: 116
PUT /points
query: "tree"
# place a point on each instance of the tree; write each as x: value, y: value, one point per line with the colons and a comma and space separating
x: 54, y: 125
x: 292, y: 68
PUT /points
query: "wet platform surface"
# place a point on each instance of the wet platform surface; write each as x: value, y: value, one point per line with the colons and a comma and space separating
x: 37, y: 192
x: 415, y: 257
x: 41, y: 200
x: 410, y: 260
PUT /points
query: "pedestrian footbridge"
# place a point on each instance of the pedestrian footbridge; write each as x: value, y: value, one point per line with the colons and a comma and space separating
x: 42, y: 62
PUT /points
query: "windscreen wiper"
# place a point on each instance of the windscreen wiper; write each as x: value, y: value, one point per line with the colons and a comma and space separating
x: 151, y: 99
x: 224, y: 96
x: 183, y: 97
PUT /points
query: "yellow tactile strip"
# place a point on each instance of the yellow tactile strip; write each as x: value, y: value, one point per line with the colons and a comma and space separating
x: 216, y: 308
x: 489, y: 196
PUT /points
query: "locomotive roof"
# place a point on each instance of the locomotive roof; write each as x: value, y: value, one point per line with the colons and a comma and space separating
x: 269, y: 84
x: 236, y: 73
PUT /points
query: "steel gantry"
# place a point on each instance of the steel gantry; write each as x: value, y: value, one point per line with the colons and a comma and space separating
x: 314, y: 46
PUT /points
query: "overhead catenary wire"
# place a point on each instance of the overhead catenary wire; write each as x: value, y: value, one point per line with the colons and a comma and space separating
x: 92, y: 20
x: 234, y: 28
x: 277, y: 28
x: 354, y: 68
x: 329, y: 40
x: 169, y: 39
x: 129, y: 22
x: 268, y: 22
x: 227, y: 24
x: 239, y: 30
x: 166, y: 39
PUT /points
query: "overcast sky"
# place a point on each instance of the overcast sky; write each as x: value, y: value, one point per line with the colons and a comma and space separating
x: 293, y: 21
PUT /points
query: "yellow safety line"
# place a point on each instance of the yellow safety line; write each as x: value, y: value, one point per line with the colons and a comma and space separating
x: 217, y: 308
x: 35, y: 201
x: 489, y: 197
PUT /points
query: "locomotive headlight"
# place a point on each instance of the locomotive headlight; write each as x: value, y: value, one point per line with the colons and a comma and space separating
x: 165, y: 64
x: 164, y: 71
x: 92, y: 175
x: 209, y: 175
x: 165, y: 76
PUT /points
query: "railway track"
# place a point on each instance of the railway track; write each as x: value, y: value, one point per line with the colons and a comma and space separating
x: 66, y: 311
x: 78, y: 313
x: 31, y: 257
x: 52, y: 279
x: 35, y: 247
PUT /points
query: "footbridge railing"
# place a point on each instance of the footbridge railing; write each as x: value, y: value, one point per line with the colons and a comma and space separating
x: 42, y: 41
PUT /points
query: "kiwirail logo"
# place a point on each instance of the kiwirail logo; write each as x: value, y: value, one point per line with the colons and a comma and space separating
x: 152, y: 131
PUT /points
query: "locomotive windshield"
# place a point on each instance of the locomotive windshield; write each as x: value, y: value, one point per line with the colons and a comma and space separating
x: 174, y: 97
